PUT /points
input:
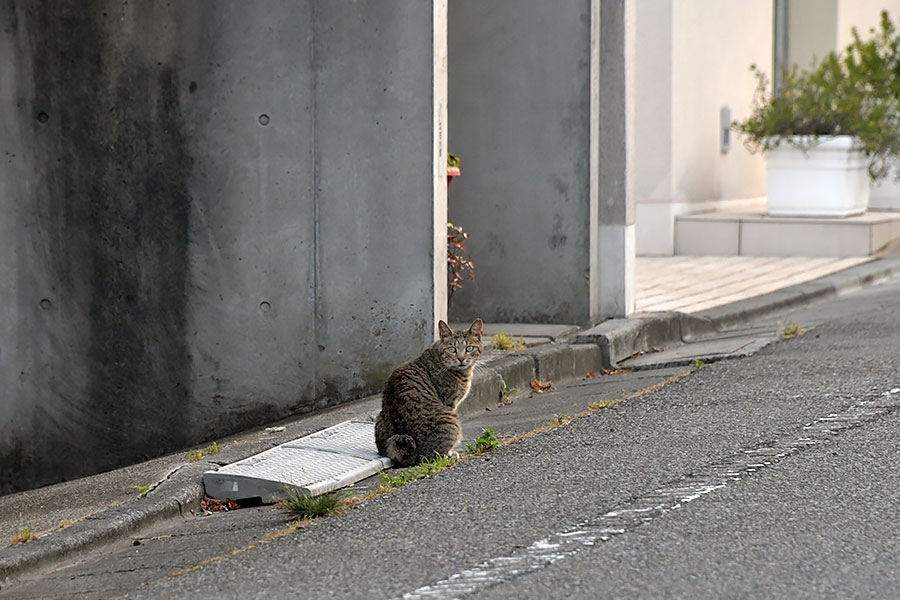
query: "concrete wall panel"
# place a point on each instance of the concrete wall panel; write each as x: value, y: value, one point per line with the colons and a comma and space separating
x: 374, y: 178
x: 96, y: 185
x: 247, y: 88
x: 519, y: 113
x: 215, y: 214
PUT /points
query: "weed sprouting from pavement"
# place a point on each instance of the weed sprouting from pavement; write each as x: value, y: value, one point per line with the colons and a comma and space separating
x: 197, y: 455
x: 791, y: 330
x: 22, y: 535
x: 558, y: 420
x: 505, y: 392
x: 425, y: 469
x: 697, y: 364
x: 301, y: 506
x: 601, y: 404
x: 505, y: 341
x: 486, y: 442
x: 63, y: 524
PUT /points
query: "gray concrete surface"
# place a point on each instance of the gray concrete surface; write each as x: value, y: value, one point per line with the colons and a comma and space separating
x: 613, y: 246
x: 556, y: 332
x: 110, y: 500
x: 212, y: 218
x: 521, y: 124
x: 816, y: 523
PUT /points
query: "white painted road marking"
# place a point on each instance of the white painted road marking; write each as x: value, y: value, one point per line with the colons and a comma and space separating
x: 657, y: 503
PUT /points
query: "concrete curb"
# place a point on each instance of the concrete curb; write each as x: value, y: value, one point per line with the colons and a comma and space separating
x: 107, y: 526
x: 600, y: 347
x: 549, y: 362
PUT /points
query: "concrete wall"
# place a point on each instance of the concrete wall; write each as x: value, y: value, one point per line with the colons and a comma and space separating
x: 612, y: 287
x: 524, y: 105
x: 214, y: 215
x: 693, y: 60
x: 519, y: 111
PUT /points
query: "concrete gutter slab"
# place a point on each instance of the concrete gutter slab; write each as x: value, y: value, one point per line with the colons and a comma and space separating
x: 315, y: 464
x: 529, y: 330
x: 705, y: 351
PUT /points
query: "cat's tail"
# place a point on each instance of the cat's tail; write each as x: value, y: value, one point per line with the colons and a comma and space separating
x: 401, y: 449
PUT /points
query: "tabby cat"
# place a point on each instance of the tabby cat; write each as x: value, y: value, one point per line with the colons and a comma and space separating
x: 418, y: 404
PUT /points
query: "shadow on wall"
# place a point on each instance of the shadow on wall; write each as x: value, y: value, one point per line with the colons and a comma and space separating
x: 100, y: 344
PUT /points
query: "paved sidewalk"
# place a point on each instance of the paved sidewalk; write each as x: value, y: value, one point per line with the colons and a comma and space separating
x: 693, y: 283
x: 698, y: 297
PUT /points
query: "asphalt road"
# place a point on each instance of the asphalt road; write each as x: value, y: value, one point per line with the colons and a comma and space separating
x: 776, y: 475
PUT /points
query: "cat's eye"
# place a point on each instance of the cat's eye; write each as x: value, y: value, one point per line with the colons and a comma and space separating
x: 450, y: 350
x: 470, y: 348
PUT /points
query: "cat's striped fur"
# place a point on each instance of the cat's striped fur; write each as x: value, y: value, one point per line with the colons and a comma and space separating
x: 418, y: 405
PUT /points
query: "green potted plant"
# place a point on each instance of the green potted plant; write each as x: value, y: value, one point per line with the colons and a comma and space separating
x: 824, y: 133
x: 879, y: 58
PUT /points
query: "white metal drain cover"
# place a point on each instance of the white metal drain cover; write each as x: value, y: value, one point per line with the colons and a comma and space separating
x: 320, y: 462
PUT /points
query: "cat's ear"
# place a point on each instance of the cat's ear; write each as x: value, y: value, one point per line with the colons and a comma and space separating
x: 475, y: 328
x: 444, y: 329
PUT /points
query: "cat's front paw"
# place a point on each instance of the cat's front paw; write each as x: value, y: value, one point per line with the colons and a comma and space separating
x: 453, y: 454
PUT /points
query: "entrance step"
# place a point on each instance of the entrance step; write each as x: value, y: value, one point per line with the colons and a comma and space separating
x: 757, y: 234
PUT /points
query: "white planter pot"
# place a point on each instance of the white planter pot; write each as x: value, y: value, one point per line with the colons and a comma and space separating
x: 884, y: 194
x: 829, y: 179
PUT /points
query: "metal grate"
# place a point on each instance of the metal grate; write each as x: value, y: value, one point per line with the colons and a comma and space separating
x: 315, y: 464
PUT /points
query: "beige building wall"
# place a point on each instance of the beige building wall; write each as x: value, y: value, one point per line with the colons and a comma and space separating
x: 862, y: 14
x: 811, y: 30
x: 692, y: 59
x: 816, y: 27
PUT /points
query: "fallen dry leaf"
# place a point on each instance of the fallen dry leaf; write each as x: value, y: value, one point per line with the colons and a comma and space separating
x: 614, y: 371
x: 591, y: 374
x: 540, y: 386
x: 210, y: 505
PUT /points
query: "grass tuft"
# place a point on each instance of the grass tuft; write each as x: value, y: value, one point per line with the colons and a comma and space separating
x: 791, y: 330
x: 301, y: 506
x: 505, y: 341
x: 22, y: 535
x: 427, y: 468
x: 63, y: 524
x: 486, y: 442
x: 558, y: 420
x: 197, y: 455
x: 601, y: 404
